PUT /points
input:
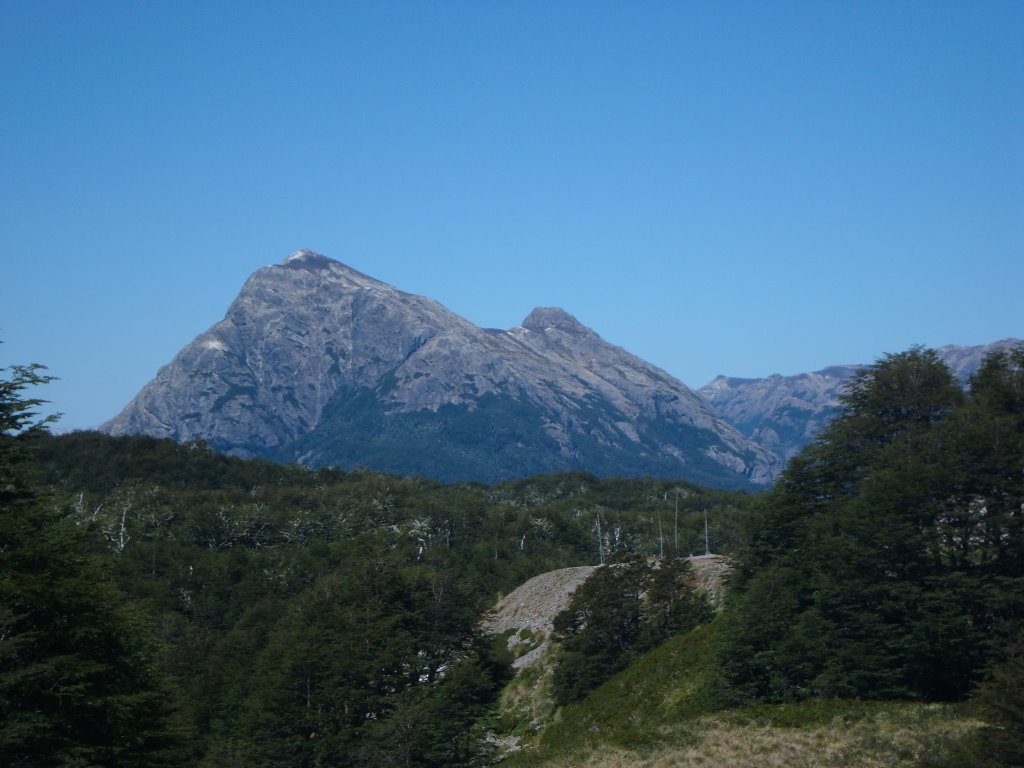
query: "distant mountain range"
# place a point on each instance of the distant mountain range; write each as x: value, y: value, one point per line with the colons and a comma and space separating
x: 784, y: 413
x: 318, y: 363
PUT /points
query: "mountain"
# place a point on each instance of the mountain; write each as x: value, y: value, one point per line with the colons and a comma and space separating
x: 784, y: 413
x: 318, y: 363
x: 780, y: 413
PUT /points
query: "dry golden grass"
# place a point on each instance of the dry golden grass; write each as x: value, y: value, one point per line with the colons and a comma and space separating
x: 896, y: 738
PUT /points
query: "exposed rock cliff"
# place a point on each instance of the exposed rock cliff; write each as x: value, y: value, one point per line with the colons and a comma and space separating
x: 319, y: 363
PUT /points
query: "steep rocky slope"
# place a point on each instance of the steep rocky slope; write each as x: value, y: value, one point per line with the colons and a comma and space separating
x: 528, y: 612
x: 319, y: 363
x: 780, y: 413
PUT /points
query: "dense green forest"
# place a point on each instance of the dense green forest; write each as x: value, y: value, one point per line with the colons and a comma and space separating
x: 876, y: 609
x: 888, y: 562
x: 165, y: 605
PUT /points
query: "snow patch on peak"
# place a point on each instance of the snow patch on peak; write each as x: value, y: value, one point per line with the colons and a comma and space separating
x: 308, y: 260
x: 303, y: 254
x: 217, y: 344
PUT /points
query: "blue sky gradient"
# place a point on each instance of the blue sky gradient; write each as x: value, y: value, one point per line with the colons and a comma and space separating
x: 719, y: 187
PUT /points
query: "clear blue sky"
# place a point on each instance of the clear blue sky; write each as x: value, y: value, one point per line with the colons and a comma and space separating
x: 719, y: 187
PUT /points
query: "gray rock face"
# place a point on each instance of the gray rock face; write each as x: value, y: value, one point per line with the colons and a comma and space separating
x: 965, y: 361
x: 784, y: 413
x: 780, y: 413
x: 317, y: 362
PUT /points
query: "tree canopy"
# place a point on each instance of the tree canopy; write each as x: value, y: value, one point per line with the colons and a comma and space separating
x: 199, y: 609
x: 161, y: 604
x: 623, y: 610
x: 887, y: 561
x: 78, y: 678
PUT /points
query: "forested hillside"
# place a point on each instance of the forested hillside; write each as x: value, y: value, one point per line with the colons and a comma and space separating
x: 205, y: 610
x: 875, y: 617
x: 888, y: 562
x: 163, y: 605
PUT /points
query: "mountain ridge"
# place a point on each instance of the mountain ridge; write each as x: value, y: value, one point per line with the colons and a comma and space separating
x: 785, y: 413
x: 320, y: 363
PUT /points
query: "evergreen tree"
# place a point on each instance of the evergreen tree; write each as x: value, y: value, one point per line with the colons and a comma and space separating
x: 621, y: 611
x: 1001, y: 698
x: 78, y: 684
x: 1000, y: 703
x: 598, y: 629
x: 867, y: 573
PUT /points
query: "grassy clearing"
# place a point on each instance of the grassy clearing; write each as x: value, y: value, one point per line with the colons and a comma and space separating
x: 660, y: 713
x: 631, y: 711
x: 894, y: 736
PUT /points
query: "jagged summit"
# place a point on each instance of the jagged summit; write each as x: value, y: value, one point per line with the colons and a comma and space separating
x: 313, y: 262
x: 544, y: 318
x: 304, y: 254
x: 306, y: 259
x: 316, y: 362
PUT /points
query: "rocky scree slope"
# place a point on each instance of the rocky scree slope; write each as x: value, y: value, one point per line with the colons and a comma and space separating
x: 527, y: 614
x: 785, y: 413
x: 318, y: 363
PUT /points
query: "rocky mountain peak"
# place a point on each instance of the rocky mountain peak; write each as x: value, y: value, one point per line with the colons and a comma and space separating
x: 309, y: 260
x: 543, y: 318
x: 318, y: 363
